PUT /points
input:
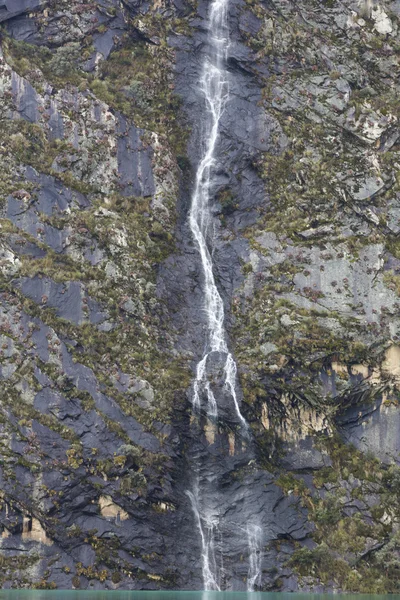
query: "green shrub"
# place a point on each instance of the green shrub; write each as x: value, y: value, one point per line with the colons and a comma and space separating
x: 65, y: 59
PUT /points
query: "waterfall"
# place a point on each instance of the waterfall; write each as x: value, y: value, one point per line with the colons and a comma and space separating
x: 208, y: 527
x: 254, y: 540
x: 214, y: 87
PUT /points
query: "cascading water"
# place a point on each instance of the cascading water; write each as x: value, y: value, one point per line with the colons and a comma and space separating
x: 254, y: 540
x: 214, y: 85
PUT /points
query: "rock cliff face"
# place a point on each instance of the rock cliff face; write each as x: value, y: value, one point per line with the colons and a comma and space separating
x: 101, y: 321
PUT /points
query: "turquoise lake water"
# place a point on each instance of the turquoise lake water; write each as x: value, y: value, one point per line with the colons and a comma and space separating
x: 102, y: 595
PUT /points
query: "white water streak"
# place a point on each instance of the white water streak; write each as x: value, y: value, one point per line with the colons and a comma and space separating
x: 200, y: 373
x: 254, y: 540
x: 214, y: 85
x: 212, y: 407
x: 230, y: 385
x: 208, y: 527
x: 215, y: 88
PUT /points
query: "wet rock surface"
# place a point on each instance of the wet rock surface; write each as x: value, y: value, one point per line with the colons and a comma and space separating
x: 101, y: 320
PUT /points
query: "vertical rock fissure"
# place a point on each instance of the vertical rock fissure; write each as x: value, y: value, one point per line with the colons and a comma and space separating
x: 214, y: 87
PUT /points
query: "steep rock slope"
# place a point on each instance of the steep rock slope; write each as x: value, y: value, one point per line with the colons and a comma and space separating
x: 89, y: 375
x: 101, y: 318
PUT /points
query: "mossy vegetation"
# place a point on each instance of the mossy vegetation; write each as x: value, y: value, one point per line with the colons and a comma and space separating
x: 353, y: 539
x: 137, y: 81
x: 324, y: 115
x: 305, y: 353
x: 295, y: 333
x: 114, y: 243
x: 17, y: 567
x: 39, y: 64
x: 330, y: 190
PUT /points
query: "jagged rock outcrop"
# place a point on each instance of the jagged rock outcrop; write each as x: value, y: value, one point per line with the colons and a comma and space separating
x: 101, y: 317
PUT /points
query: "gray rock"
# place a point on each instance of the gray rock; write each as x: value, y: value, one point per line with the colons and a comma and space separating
x: 373, y: 428
x: 134, y: 161
x: 12, y: 8
x: 267, y: 348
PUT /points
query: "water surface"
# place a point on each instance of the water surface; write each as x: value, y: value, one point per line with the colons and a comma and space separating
x: 106, y: 595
